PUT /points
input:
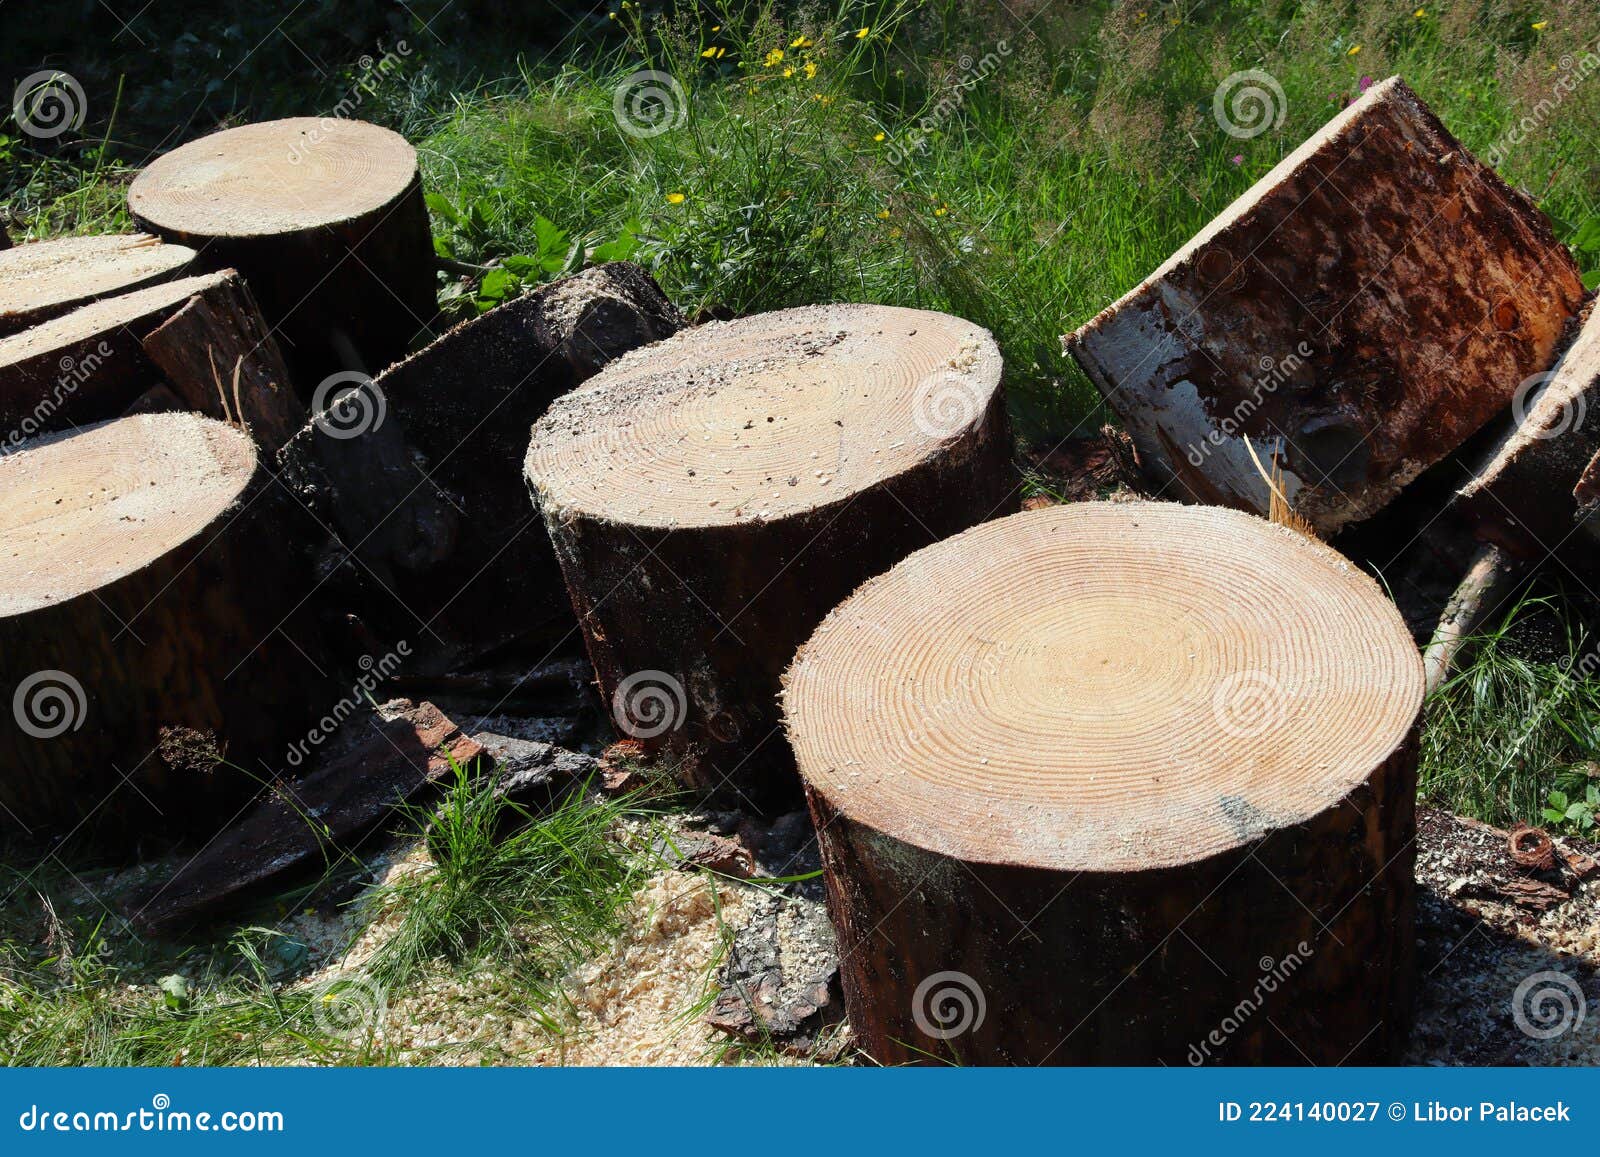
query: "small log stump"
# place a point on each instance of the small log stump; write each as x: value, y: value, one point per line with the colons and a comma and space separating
x: 1117, y: 783
x: 145, y: 610
x: 45, y: 279
x: 712, y: 496
x: 1367, y: 306
x: 87, y: 365
x: 325, y: 219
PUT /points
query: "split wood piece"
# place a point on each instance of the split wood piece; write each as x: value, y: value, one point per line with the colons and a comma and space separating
x: 1088, y: 777
x: 1520, y: 493
x: 220, y: 357
x: 429, y: 492
x: 1586, y: 494
x: 711, y: 497
x: 145, y: 648
x: 1367, y: 306
x: 87, y: 365
x: 326, y: 220
x: 1489, y: 581
x: 45, y: 279
x: 370, y: 769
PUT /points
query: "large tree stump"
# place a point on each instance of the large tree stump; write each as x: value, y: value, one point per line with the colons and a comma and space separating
x: 1367, y: 306
x: 145, y: 618
x: 420, y: 471
x: 87, y: 365
x: 1117, y: 784
x: 711, y: 497
x: 324, y: 218
x: 47, y: 278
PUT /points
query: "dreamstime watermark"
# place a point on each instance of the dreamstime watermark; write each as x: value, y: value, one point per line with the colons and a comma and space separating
x: 648, y: 704
x: 1273, y: 974
x: 49, y: 103
x: 159, y: 1117
x: 74, y: 372
x: 1554, y: 422
x: 1547, y: 1005
x: 947, y: 403
x: 49, y: 703
x: 1249, y: 103
x: 648, y: 103
x: 348, y: 404
x: 972, y: 73
x: 371, y: 73
x: 1274, y: 372
x: 351, y: 1007
x: 948, y: 1004
x: 374, y: 672
x: 1574, y: 70
x: 955, y: 699
x: 1248, y: 703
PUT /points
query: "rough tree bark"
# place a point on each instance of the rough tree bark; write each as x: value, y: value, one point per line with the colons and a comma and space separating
x: 324, y: 217
x: 45, y: 279
x: 1117, y: 784
x: 145, y: 629
x: 1367, y: 306
x: 711, y: 497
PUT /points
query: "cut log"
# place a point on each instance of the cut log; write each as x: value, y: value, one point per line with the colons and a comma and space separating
x: 145, y: 648
x: 1520, y: 493
x: 219, y: 356
x: 371, y: 768
x: 1363, y: 309
x: 1117, y: 783
x: 711, y: 497
x: 87, y: 365
x: 429, y: 492
x: 48, y: 278
x: 325, y: 219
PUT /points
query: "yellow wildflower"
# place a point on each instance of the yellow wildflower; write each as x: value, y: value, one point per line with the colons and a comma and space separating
x: 811, y: 69
x: 883, y: 214
x: 895, y: 232
x: 1541, y: 26
x: 861, y: 33
x: 775, y: 57
x: 716, y: 28
x: 800, y: 42
x: 1354, y: 48
x: 787, y: 73
x: 1419, y: 13
x: 708, y: 54
x: 878, y: 138
x: 674, y: 198
x: 941, y: 210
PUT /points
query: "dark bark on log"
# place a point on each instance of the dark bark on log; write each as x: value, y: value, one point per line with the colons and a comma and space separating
x: 1365, y: 308
x: 219, y: 356
x: 194, y: 673
x: 1168, y: 966
x: 158, y: 399
x: 310, y: 822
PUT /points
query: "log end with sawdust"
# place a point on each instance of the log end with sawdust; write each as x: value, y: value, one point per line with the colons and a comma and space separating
x: 45, y: 279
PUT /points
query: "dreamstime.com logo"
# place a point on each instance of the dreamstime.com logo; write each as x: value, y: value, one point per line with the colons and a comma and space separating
x: 948, y: 1004
x: 353, y: 1007
x: 348, y: 404
x: 49, y: 703
x: 160, y: 1117
x: 649, y: 703
x: 1565, y: 417
x: 649, y: 103
x: 1547, y: 1005
x: 1248, y: 703
x: 1274, y: 974
x: 49, y: 103
x: 947, y: 403
x: 1247, y: 104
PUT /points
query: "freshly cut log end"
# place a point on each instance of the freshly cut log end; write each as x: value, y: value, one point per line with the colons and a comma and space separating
x: 325, y: 219
x: 712, y: 496
x: 1520, y: 493
x: 86, y: 365
x: 44, y: 279
x: 1363, y: 309
x: 144, y: 605
x: 1103, y: 760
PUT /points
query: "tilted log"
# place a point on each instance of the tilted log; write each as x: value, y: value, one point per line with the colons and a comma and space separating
x: 1117, y: 783
x: 325, y: 219
x: 712, y: 496
x: 147, y: 646
x: 1364, y: 308
x: 45, y: 279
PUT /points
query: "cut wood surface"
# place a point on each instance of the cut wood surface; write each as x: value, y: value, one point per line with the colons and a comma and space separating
x: 712, y: 496
x: 220, y: 358
x: 1111, y: 763
x: 44, y: 279
x: 1520, y: 493
x: 323, y: 216
x: 144, y: 619
x: 429, y: 492
x: 86, y: 365
x: 1363, y: 309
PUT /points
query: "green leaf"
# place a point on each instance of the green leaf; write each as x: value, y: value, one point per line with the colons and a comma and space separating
x: 1591, y: 280
x: 441, y: 247
x: 497, y: 284
x: 621, y: 249
x: 174, y: 991
x: 1578, y: 811
x: 438, y: 206
x: 528, y: 267
x: 552, y: 244
x: 1592, y: 794
x: 1558, y: 799
x: 1553, y: 816
x: 1587, y: 237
